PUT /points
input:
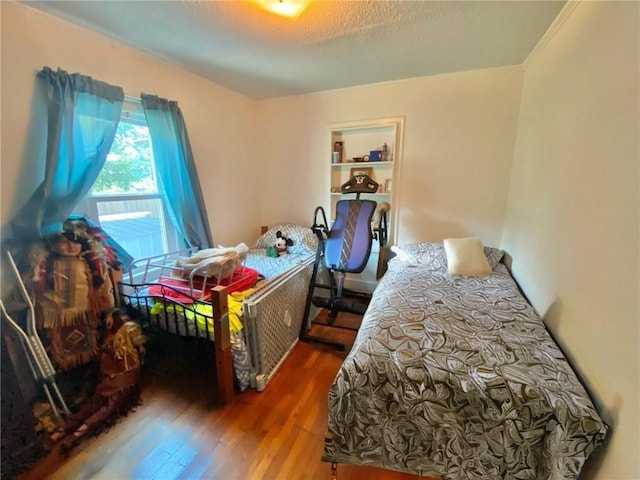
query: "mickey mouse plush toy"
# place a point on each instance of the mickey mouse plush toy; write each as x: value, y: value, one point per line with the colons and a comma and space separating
x: 280, y: 246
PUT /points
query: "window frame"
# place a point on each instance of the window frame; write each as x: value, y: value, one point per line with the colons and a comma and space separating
x: 133, y: 113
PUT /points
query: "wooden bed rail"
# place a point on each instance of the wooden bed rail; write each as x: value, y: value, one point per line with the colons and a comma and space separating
x: 222, y: 344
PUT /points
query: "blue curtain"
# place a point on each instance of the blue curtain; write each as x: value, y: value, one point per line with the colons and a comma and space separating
x: 82, y: 117
x: 176, y: 170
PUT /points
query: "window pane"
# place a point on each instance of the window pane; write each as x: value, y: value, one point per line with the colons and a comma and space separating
x: 125, y: 199
x: 129, y: 167
x: 137, y: 225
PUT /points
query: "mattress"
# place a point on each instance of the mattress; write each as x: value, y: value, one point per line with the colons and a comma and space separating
x: 269, y: 267
x: 458, y: 377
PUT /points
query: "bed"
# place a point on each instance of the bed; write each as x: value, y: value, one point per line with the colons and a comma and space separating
x: 263, y: 316
x: 456, y: 376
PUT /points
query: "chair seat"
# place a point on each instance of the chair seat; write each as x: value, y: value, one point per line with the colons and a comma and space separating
x: 348, y: 245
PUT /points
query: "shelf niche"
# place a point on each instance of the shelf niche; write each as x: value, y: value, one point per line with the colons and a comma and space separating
x: 355, y: 140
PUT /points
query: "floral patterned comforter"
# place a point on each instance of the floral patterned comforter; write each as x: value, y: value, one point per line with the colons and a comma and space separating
x: 457, y: 377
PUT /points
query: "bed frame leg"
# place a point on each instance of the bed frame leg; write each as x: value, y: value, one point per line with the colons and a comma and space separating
x: 334, y: 471
x: 222, y: 344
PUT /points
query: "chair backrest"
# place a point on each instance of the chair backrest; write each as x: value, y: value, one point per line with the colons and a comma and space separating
x: 348, y: 245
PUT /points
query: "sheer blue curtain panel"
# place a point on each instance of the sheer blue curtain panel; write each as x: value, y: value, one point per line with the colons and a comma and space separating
x: 82, y: 117
x: 176, y: 170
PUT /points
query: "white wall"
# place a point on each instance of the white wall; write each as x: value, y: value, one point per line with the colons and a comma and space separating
x: 218, y: 120
x: 573, y: 212
x: 459, y: 133
x: 458, y: 145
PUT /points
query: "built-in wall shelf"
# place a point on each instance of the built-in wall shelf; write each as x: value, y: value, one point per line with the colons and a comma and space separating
x: 373, y: 147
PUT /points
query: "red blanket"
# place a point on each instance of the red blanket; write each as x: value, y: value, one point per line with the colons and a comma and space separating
x: 241, y: 279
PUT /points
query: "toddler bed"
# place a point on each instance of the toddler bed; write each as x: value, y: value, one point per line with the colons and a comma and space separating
x: 264, y: 320
x: 456, y: 376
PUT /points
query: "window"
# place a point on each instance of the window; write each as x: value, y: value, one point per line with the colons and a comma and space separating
x: 126, y: 199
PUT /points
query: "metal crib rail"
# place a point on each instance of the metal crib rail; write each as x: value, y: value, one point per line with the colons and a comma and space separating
x: 169, y: 317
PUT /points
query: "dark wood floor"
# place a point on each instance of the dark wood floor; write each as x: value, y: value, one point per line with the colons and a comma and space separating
x: 181, y: 433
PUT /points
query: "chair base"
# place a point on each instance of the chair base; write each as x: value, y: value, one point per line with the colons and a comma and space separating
x: 343, y: 250
x: 339, y: 305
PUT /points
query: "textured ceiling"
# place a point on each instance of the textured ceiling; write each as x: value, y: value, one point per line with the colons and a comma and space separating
x: 332, y: 44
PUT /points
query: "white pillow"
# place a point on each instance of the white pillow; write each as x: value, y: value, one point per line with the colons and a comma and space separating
x: 465, y: 256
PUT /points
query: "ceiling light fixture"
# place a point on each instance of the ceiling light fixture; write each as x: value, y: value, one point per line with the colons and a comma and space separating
x: 285, y: 8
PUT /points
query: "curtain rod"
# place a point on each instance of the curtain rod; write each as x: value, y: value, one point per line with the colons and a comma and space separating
x: 132, y: 98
